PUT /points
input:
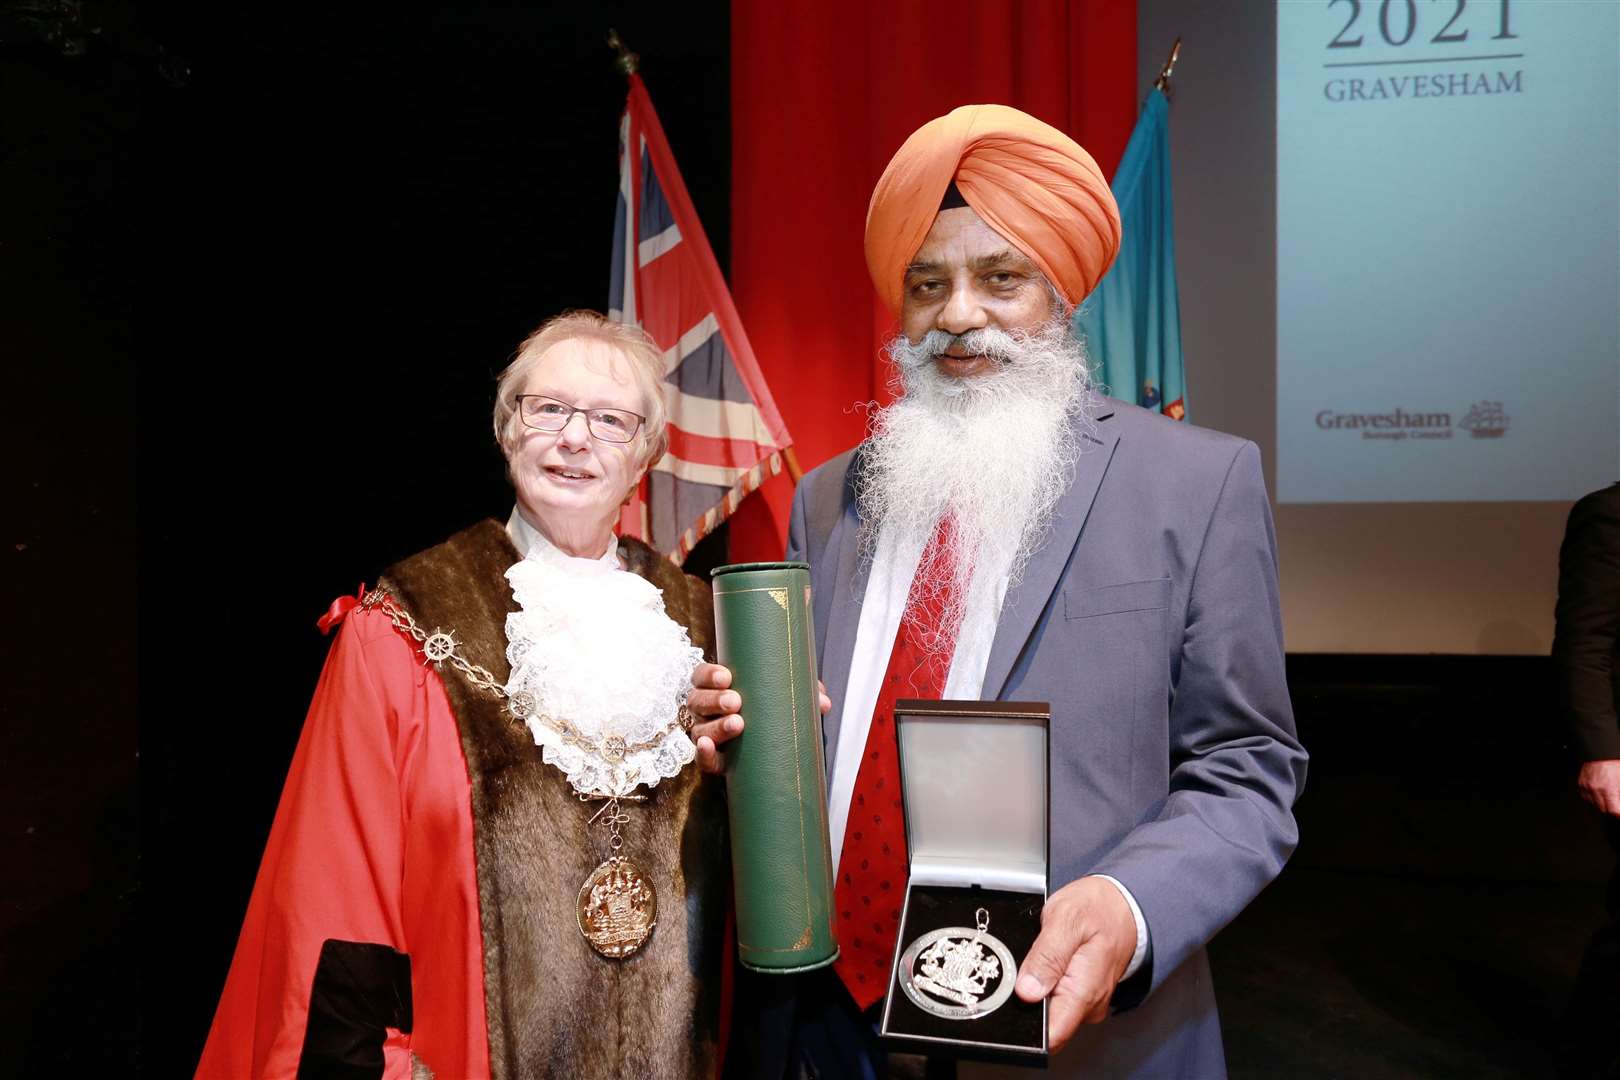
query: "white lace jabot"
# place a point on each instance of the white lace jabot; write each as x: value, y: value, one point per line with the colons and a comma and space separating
x: 593, y: 646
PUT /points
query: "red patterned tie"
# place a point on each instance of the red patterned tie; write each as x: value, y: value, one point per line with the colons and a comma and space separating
x: 872, y: 869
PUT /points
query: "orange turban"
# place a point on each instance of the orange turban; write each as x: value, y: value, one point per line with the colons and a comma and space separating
x: 1029, y: 182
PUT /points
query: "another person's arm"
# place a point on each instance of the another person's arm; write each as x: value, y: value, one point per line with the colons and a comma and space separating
x: 1588, y: 621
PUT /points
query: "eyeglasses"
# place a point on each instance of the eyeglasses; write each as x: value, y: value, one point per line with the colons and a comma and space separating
x: 551, y: 415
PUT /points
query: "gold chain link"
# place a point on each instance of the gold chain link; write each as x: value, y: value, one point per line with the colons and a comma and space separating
x: 441, y: 646
x: 611, y: 814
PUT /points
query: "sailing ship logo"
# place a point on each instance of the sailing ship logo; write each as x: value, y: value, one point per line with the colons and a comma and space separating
x: 1485, y: 420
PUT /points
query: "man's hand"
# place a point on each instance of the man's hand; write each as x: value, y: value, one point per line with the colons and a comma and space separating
x: 1087, y: 937
x: 1599, y: 782
x: 718, y: 712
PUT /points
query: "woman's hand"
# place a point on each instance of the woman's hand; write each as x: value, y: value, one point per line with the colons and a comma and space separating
x: 718, y: 712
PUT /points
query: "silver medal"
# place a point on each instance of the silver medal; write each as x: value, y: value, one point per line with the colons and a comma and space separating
x: 958, y: 973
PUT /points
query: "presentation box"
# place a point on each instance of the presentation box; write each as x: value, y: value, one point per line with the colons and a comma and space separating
x: 973, y: 776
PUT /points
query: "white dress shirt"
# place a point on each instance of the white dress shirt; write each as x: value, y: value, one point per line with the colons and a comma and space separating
x: 525, y: 536
x: 884, y: 603
x: 522, y: 533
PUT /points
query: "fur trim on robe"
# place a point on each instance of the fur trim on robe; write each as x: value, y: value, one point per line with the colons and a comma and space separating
x: 554, y: 1006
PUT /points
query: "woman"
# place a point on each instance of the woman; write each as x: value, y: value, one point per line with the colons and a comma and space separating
x: 494, y: 855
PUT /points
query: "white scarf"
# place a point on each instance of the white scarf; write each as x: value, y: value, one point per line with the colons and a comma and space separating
x: 593, y: 646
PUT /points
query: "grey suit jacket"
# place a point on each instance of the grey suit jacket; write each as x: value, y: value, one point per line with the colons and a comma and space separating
x: 1149, y: 619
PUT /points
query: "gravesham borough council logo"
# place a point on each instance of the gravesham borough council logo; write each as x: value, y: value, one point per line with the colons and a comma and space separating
x: 1485, y: 420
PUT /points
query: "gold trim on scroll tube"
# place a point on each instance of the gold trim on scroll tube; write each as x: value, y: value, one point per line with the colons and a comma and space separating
x: 618, y: 908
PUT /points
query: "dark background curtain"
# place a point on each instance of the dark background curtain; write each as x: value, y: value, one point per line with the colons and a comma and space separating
x: 261, y: 262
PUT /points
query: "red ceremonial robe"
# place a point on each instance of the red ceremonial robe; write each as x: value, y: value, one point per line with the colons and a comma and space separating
x: 373, y: 842
x: 368, y: 897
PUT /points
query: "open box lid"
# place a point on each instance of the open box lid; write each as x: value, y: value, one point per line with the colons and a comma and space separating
x: 973, y: 776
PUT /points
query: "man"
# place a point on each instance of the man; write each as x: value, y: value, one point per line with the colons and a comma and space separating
x: 1031, y: 540
x: 1585, y: 645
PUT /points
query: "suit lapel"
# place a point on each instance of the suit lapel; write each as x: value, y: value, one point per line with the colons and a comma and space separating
x: 840, y: 605
x: 1026, y: 600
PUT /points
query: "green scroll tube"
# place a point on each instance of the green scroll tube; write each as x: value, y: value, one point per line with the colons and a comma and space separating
x: 775, y: 774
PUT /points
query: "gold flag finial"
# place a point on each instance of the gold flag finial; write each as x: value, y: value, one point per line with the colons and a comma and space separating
x: 628, y: 62
x: 1162, y: 83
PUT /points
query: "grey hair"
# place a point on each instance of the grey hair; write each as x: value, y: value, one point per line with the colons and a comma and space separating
x: 1060, y: 304
x: 631, y: 342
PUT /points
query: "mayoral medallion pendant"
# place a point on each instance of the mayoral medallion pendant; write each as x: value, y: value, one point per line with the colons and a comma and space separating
x: 959, y: 973
x: 618, y: 908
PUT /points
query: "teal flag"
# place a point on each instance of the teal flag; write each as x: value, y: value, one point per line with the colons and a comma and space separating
x: 1131, y: 323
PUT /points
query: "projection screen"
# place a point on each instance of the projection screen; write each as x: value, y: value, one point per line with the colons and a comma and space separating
x: 1398, y: 238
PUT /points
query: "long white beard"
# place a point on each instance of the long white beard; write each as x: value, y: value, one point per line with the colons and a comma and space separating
x: 995, y: 450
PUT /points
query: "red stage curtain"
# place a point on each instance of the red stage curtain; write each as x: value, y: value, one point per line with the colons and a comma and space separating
x: 822, y: 94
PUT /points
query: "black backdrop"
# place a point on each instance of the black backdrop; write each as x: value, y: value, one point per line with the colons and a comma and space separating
x: 264, y: 262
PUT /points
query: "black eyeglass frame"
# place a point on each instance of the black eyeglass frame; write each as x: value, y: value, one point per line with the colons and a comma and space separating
x: 517, y: 403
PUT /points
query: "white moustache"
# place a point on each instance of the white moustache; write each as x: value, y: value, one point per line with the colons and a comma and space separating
x: 1002, y: 346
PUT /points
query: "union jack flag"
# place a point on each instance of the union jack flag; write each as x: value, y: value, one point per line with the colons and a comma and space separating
x: 725, y: 434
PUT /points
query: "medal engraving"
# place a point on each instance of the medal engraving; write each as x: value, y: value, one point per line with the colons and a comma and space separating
x: 617, y: 908
x: 958, y: 973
